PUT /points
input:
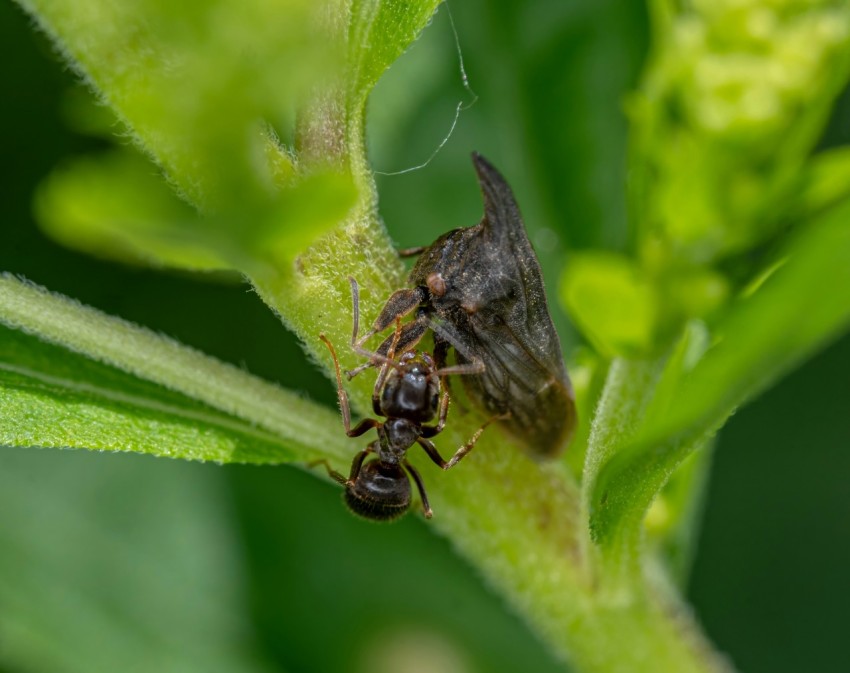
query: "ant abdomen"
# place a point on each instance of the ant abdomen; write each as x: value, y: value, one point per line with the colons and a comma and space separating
x: 381, y: 492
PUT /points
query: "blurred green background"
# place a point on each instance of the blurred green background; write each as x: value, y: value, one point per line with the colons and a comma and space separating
x: 121, y: 562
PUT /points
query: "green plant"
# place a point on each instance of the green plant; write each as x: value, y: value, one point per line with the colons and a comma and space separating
x: 731, y: 238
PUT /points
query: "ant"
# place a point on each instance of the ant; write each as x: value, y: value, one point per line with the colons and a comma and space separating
x: 408, y: 394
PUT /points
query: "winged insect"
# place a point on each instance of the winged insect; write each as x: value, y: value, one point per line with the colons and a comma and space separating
x: 480, y: 290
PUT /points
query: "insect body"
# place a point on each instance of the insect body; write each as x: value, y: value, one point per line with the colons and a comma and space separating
x: 481, y: 292
x: 408, y: 393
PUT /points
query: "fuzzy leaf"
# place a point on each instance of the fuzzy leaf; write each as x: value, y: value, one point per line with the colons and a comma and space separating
x: 203, y: 88
x: 381, y: 30
x: 799, y: 308
x: 116, y: 206
x: 195, y: 406
x: 54, y: 399
x: 194, y: 80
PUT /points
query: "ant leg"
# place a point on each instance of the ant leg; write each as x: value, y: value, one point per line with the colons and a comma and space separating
x: 466, y: 448
x: 332, y: 473
x: 356, y: 465
x: 385, y: 370
x: 412, y: 252
x: 474, y: 367
x: 384, y: 355
x: 355, y: 312
x: 426, y: 506
x: 434, y: 455
x: 431, y: 431
x: 364, y: 425
x: 432, y: 452
x: 411, y: 333
x: 441, y: 355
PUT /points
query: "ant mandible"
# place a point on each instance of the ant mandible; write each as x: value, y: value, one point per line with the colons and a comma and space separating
x: 408, y: 394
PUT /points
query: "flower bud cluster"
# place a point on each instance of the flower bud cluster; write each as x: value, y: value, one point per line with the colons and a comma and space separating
x: 748, y: 68
x: 734, y: 99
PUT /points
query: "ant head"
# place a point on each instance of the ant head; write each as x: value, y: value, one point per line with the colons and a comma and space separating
x: 412, y: 390
x: 381, y: 492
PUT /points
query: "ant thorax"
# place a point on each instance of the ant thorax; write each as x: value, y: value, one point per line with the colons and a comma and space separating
x: 396, y: 436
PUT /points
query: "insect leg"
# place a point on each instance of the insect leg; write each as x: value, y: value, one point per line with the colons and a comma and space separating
x: 332, y: 473
x: 411, y: 333
x: 412, y: 252
x: 385, y: 370
x: 476, y: 367
x: 426, y: 506
x: 466, y: 448
x: 400, y: 303
x: 431, y: 431
x: 444, y: 336
x: 432, y: 452
x: 357, y: 463
x: 364, y: 425
x: 434, y: 455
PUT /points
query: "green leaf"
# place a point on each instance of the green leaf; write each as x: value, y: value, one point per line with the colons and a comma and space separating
x: 380, y: 32
x: 674, y: 519
x: 194, y: 80
x: 199, y: 87
x: 116, y: 206
x: 726, y: 119
x: 825, y: 182
x: 611, y: 301
x: 54, y: 398
x: 793, y: 313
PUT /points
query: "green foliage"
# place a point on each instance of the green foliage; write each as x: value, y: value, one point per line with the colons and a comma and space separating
x: 204, y: 409
x: 739, y: 91
x: 724, y: 126
x: 615, y: 306
x: 760, y: 337
x: 254, y: 115
x: 55, y: 400
x: 115, y: 207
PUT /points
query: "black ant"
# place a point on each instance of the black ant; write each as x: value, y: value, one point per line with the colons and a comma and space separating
x: 408, y: 393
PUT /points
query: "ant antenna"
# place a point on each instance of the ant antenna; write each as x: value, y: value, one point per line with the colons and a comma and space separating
x: 356, y: 345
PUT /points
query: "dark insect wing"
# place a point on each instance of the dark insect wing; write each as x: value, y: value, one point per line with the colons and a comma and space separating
x: 494, y: 300
x: 527, y: 311
x: 542, y: 407
x: 525, y: 341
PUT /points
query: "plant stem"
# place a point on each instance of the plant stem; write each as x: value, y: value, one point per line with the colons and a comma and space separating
x: 520, y: 523
x: 624, y: 398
